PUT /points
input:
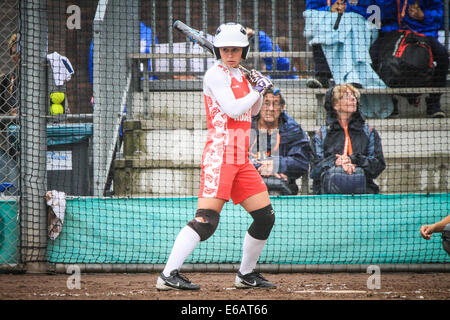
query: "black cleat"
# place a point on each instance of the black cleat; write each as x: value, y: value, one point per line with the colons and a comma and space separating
x: 175, y: 282
x: 252, y: 280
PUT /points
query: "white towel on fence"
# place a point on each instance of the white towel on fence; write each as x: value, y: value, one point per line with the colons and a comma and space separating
x: 56, y: 201
x: 61, y: 67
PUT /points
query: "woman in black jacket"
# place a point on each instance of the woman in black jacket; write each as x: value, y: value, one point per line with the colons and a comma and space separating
x: 347, y: 152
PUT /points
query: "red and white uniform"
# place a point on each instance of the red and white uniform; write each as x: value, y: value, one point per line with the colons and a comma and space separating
x: 230, y: 103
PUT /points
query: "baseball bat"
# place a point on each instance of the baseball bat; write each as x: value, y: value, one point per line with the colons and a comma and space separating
x: 197, y: 37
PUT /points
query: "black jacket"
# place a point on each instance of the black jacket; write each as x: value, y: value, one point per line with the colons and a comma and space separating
x: 8, y: 100
x: 366, y: 145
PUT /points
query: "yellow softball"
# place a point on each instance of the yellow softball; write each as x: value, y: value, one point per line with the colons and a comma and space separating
x: 56, y: 108
x: 57, y: 97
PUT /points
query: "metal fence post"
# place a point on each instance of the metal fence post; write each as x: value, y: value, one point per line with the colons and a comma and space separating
x: 33, y: 133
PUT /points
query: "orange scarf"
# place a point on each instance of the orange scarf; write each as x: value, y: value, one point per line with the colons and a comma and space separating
x: 348, y: 150
x: 401, y: 15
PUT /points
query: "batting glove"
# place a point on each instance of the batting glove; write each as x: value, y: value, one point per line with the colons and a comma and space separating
x: 262, y: 85
x: 254, y: 76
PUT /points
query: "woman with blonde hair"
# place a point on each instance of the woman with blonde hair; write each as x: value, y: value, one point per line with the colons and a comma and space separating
x: 347, y: 152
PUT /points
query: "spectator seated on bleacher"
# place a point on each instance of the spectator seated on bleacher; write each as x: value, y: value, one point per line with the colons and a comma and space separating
x: 426, y: 18
x: 347, y: 152
x: 9, y: 82
x: 322, y: 70
x: 279, y: 148
x: 9, y: 105
x: 346, y: 50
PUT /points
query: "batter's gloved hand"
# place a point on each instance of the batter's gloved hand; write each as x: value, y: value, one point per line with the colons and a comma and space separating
x: 254, y: 76
x: 262, y: 84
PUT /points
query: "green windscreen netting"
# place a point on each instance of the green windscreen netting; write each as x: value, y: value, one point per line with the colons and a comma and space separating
x: 308, y: 230
x: 105, y: 113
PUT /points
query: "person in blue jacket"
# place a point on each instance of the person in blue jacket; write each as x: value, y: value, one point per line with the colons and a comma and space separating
x: 266, y: 45
x: 279, y: 148
x: 322, y: 72
x: 339, y: 5
x: 425, y: 17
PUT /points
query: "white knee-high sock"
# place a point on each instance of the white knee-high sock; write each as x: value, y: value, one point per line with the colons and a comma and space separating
x: 185, y: 243
x: 251, y: 251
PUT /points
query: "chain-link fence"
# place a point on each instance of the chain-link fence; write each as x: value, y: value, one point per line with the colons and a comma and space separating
x: 106, y: 110
x: 9, y: 153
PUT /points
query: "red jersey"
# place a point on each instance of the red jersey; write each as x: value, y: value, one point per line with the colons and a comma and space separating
x: 228, y: 137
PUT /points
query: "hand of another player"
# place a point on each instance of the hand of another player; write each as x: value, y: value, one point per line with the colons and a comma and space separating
x: 13, y: 111
x: 415, y: 12
x: 345, y: 162
x: 342, y: 160
x: 426, y: 232
x: 349, y: 168
x: 266, y: 168
x: 281, y: 176
x: 250, y: 32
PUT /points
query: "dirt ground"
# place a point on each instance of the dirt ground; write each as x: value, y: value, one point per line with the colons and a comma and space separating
x: 219, y: 286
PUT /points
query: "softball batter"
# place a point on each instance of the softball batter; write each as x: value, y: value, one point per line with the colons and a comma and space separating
x: 230, y: 101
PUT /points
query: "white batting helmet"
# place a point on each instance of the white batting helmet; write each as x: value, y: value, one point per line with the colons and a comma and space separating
x: 231, y: 34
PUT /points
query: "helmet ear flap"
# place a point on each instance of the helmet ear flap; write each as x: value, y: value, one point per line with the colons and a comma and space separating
x: 245, y: 52
x: 217, y: 53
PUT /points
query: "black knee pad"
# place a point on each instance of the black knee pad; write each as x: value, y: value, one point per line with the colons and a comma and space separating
x: 210, y: 222
x: 263, y: 221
